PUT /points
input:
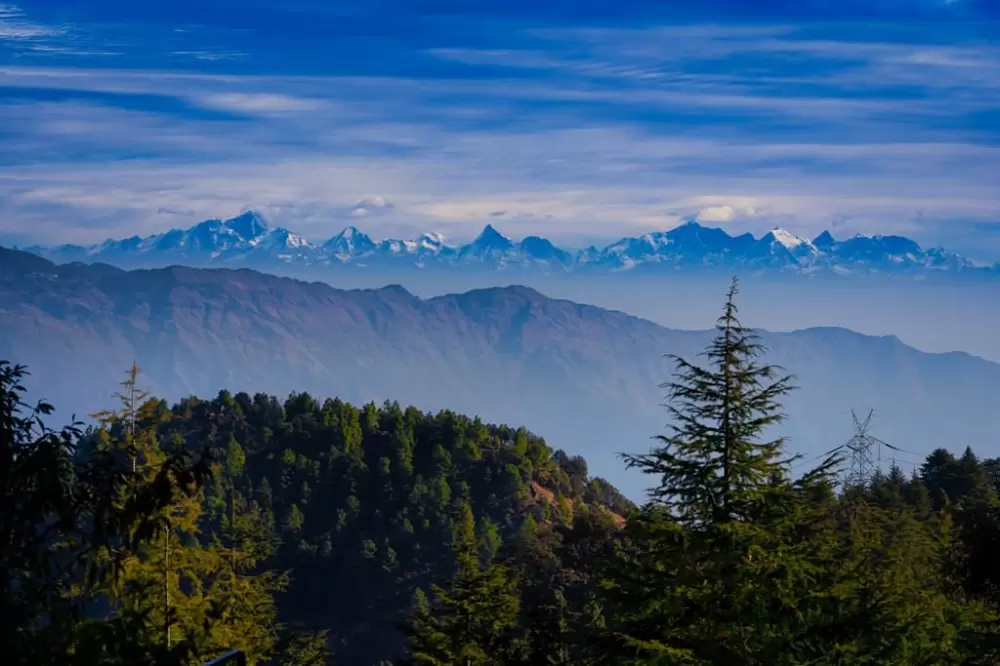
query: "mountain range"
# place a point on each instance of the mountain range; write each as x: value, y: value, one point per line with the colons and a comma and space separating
x: 585, y: 378
x: 249, y: 241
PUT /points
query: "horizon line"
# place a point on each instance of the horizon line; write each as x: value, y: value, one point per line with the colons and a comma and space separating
x: 269, y: 226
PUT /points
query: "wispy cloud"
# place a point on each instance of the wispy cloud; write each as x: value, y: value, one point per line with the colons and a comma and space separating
x: 15, y: 26
x: 211, y: 56
x: 23, y: 37
x: 257, y: 102
x: 563, y: 130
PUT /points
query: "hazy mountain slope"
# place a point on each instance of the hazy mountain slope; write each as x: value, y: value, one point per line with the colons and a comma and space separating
x: 584, y: 377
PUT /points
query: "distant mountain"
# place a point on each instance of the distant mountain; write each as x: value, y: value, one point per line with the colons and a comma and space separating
x: 248, y: 240
x: 585, y: 378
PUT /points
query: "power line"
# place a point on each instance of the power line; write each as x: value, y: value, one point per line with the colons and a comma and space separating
x: 799, y: 461
x: 899, y: 463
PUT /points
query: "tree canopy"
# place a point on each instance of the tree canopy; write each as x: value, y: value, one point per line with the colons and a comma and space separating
x: 306, y: 531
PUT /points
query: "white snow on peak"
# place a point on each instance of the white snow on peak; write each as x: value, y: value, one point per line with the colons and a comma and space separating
x: 294, y: 240
x: 789, y: 240
x: 279, y: 239
x: 394, y: 245
x: 431, y: 241
x: 656, y: 240
x: 348, y: 236
x: 689, y: 244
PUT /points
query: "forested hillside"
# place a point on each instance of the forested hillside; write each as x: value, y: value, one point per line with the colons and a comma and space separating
x: 342, y: 513
x: 583, y: 377
x: 365, y: 499
x: 305, y: 532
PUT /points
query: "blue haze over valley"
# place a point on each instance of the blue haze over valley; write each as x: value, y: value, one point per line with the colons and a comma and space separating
x: 842, y: 158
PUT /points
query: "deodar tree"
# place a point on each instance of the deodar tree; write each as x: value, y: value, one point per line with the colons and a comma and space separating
x: 725, y: 564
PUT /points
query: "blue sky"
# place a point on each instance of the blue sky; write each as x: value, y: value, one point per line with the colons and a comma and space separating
x: 580, y: 121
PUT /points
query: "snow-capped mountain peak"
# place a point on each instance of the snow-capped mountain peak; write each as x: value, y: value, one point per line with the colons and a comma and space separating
x: 349, y: 242
x: 783, y: 244
x: 247, y: 225
x: 824, y: 241
x: 427, y: 244
x: 432, y: 237
x: 541, y: 250
x: 489, y: 246
x: 250, y: 240
x: 432, y: 243
x: 491, y: 238
x: 350, y: 233
x: 220, y: 235
x: 282, y: 239
x: 785, y: 238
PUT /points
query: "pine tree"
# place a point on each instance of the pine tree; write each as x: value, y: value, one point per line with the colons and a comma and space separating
x: 191, y: 591
x: 723, y: 562
x: 304, y: 649
x: 83, y: 511
x: 473, y: 622
x: 712, y: 469
x: 915, y: 613
x: 242, y: 598
x: 559, y: 608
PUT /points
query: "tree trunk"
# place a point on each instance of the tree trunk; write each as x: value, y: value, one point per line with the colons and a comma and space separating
x: 166, y: 582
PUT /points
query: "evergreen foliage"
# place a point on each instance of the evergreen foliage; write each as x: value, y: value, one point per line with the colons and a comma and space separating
x: 473, y: 621
x: 724, y: 563
x: 299, y: 528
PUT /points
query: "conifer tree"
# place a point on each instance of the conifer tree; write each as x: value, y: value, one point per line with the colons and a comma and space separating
x: 559, y: 611
x: 473, y: 622
x: 713, y: 469
x: 241, y: 597
x: 191, y: 589
x: 722, y: 564
x: 82, y: 512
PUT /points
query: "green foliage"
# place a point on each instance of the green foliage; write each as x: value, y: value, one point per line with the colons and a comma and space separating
x: 713, y: 469
x: 722, y: 565
x: 304, y: 649
x: 193, y: 579
x: 42, y: 514
x: 69, y: 514
x: 733, y: 562
x: 365, y: 501
x: 475, y: 620
x: 306, y: 531
x: 559, y: 566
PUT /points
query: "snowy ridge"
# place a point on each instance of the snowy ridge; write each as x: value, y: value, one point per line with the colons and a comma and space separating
x: 249, y: 239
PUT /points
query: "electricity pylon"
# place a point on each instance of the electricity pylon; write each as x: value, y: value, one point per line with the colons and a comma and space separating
x: 861, y: 445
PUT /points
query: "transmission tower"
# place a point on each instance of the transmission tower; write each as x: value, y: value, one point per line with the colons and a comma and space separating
x: 866, y: 451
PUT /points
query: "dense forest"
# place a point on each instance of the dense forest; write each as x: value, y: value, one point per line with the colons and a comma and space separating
x: 308, y: 532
